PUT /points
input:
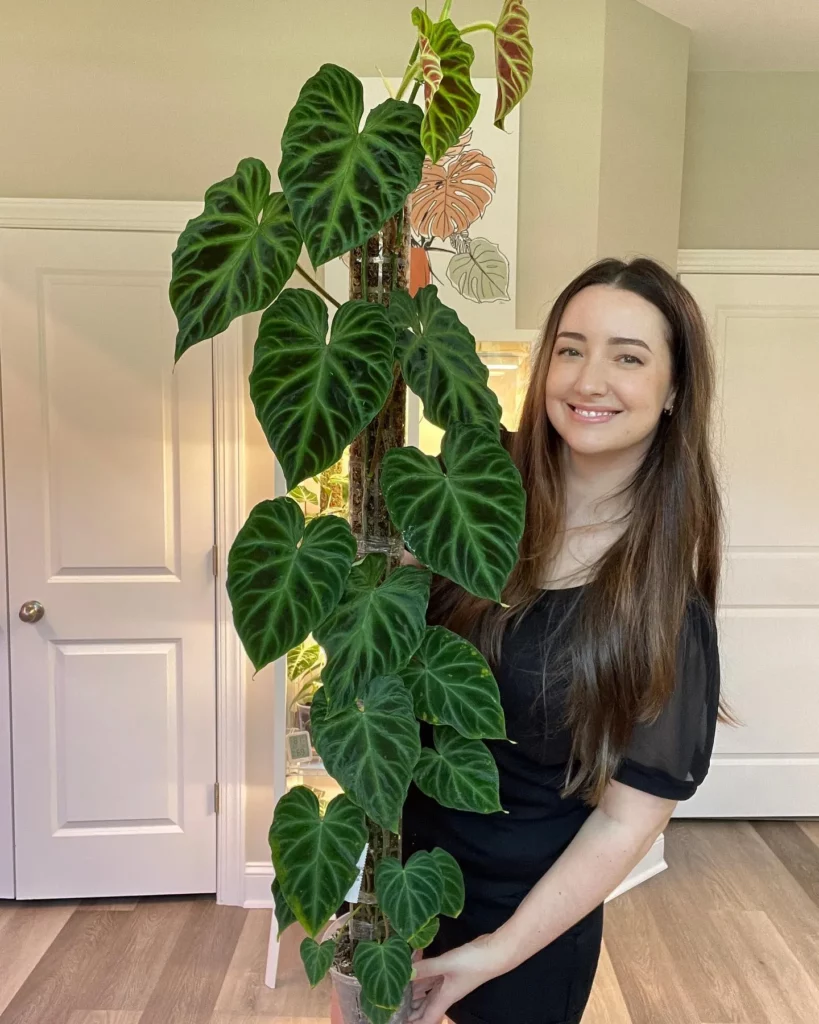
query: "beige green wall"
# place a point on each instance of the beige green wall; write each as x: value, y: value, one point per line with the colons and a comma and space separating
x: 751, y: 171
x: 645, y: 74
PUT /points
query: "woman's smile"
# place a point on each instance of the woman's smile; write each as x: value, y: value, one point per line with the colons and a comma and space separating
x: 591, y: 413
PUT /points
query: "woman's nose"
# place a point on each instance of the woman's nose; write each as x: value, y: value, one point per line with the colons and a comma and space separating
x: 592, y: 379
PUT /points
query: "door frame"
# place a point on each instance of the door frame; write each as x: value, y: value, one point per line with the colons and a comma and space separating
x: 228, y: 439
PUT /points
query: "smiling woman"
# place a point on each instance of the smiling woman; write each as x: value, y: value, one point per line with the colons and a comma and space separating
x: 604, y: 648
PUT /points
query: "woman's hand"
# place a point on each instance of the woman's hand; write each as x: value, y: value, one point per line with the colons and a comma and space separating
x: 443, y: 980
x: 408, y: 558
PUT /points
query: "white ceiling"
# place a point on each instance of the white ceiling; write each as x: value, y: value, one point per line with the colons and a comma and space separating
x: 748, y: 35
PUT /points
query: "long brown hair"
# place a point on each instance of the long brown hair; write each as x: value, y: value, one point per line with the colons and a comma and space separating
x: 622, y: 657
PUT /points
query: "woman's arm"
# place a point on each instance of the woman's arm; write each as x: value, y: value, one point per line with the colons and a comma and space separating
x: 613, y: 840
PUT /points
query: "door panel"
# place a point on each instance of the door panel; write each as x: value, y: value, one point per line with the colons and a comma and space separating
x: 109, y: 469
x: 765, y: 329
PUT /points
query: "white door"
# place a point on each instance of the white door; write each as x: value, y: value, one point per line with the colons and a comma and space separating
x: 109, y: 495
x: 765, y: 330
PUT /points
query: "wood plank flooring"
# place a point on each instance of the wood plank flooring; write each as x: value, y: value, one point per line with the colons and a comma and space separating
x: 728, y: 935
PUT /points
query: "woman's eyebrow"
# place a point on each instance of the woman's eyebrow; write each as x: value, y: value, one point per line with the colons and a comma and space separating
x: 577, y: 336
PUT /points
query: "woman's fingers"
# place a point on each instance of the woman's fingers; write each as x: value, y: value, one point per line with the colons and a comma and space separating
x: 432, y: 1009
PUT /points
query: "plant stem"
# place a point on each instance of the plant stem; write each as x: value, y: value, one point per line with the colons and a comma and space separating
x: 414, y: 92
x: 445, y: 9
x: 410, y: 73
x: 478, y: 26
x: 317, y: 286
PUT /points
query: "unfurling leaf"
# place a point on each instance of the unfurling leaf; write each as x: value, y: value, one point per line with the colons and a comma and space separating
x: 455, y: 102
x: 513, y: 58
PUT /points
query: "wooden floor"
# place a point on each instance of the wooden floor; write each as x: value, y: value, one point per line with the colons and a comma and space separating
x: 729, y: 935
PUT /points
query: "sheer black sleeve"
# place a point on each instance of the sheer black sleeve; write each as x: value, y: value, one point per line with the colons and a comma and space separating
x: 670, y: 757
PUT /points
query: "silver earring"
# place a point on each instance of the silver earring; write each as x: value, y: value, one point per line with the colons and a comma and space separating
x: 669, y: 410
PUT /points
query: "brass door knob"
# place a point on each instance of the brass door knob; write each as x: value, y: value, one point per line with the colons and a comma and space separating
x: 32, y: 611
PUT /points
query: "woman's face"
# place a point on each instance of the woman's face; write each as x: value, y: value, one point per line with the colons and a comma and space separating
x: 610, y: 373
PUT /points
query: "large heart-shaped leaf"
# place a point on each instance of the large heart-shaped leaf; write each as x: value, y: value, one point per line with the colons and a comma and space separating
x: 513, y: 57
x: 284, y: 915
x: 452, y: 893
x: 374, y: 629
x: 341, y: 183
x: 284, y: 578
x: 454, y: 103
x: 313, y: 398
x: 440, y: 362
x: 384, y: 970
x: 451, y: 684
x: 234, y: 257
x: 459, y: 773
x: 466, y: 522
x: 317, y: 959
x: 425, y: 934
x: 371, y: 747
x: 482, y: 273
x: 409, y: 895
x: 316, y: 857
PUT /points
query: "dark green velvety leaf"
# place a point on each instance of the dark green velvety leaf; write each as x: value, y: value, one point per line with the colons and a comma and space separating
x: 371, y: 747
x: 513, y: 58
x: 464, y: 522
x: 234, y: 257
x: 376, y: 1014
x: 374, y: 629
x: 312, y: 397
x: 454, y: 102
x: 440, y: 362
x: 452, y: 893
x: 284, y: 578
x: 343, y: 183
x: 384, y: 970
x: 409, y: 895
x: 315, y: 857
x: 451, y: 684
x: 317, y: 959
x: 459, y: 773
x: 284, y: 915
x: 425, y: 934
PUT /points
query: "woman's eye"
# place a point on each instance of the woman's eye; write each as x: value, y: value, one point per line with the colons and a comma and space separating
x: 630, y: 360
x: 568, y: 352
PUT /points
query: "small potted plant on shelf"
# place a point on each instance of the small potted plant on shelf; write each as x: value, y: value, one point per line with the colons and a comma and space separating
x: 317, y: 389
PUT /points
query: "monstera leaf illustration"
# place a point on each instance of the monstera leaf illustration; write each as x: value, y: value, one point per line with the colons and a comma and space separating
x: 453, y: 194
x: 482, y: 273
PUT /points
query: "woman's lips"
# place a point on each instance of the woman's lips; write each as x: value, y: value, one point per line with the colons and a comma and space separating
x: 589, y: 414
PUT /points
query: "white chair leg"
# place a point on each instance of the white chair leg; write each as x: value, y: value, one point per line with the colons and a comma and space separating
x: 272, y: 954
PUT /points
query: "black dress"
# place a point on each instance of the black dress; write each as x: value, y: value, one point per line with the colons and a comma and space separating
x: 504, y: 855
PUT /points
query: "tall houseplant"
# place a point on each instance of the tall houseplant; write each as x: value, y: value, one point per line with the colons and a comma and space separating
x: 345, y: 187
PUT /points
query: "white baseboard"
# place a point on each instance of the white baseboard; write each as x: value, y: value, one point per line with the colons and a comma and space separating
x: 652, y: 864
x: 259, y: 875
x: 258, y: 879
